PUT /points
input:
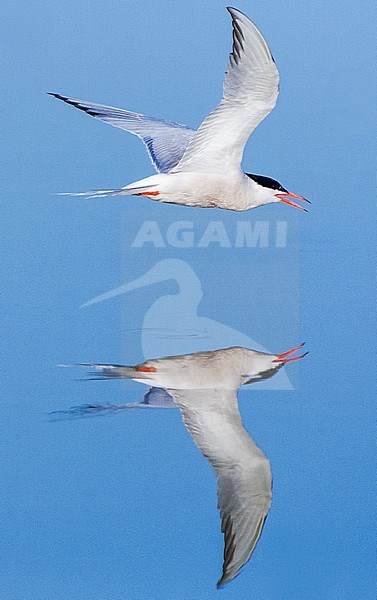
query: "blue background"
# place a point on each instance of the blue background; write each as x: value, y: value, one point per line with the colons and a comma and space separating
x: 124, y: 507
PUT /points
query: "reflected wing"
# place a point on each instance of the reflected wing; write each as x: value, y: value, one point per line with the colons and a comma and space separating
x: 243, y: 471
x: 166, y: 142
x: 154, y: 398
x: 250, y: 93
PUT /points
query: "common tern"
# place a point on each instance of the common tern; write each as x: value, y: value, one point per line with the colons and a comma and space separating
x: 203, y: 168
x: 204, y: 386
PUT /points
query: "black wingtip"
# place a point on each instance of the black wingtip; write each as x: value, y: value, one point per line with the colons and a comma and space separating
x: 58, y: 96
x: 223, y: 581
x: 220, y: 584
x: 65, y: 99
x: 231, y: 10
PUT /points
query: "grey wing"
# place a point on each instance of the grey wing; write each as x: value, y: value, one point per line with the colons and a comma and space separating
x: 166, y: 142
x: 250, y: 93
x: 244, y: 481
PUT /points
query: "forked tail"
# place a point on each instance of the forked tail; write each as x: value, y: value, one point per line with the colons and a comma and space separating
x: 134, y: 191
x: 107, y: 371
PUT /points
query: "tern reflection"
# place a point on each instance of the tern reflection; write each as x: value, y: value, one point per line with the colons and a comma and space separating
x: 204, y: 387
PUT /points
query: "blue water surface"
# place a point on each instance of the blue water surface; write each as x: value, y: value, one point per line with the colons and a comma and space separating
x: 123, y: 506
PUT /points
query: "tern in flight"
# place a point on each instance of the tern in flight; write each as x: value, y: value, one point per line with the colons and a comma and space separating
x: 204, y: 386
x: 203, y: 168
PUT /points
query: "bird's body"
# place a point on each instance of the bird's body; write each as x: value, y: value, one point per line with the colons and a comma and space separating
x: 225, y: 369
x: 206, y: 190
x: 204, y: 386
x: 203, y: 168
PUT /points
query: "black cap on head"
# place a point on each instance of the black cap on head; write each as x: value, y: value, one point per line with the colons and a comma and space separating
x: 267, y: 182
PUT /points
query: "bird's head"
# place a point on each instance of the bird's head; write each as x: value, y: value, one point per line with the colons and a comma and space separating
x: 269, y: 190
x: 261, y: 365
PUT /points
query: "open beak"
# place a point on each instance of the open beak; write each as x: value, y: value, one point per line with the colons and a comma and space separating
x: 284, y: 197
x: 282, y: 358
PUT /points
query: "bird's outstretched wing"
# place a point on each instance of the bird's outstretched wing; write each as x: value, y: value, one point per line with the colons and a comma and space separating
x: 250, y: 93
x: 166, y: 142
x: 154, y: 398
x: 244, y: 482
